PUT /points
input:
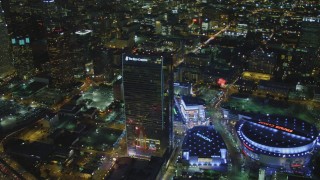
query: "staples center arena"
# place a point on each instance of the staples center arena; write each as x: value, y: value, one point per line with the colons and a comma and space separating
x: 277, y: 141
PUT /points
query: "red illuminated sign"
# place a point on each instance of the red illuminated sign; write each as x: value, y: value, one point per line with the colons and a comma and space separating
x: 296, y: 165
x: 58, y: 30
x: 248, y: 147
x: 221, y: 81
x: 276, y: 126
x: 244, y: 153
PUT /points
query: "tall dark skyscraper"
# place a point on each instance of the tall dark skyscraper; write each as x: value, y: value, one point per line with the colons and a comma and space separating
x: 147, y: 82
x: 28, y: 35
x: 6, y: 67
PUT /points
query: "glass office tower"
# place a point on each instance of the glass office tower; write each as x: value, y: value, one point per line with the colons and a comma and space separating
x: 148, y: 87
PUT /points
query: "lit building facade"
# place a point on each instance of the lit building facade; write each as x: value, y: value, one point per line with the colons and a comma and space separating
x: 193, y: 110
x: 148, y: 92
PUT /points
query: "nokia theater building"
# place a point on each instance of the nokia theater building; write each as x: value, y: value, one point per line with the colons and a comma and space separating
x: 203, y: 146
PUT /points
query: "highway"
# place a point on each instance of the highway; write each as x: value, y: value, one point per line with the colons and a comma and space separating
x: 212, y: 37
x: 197, y: 48
x: 11, y: 164
x: 8, y: 170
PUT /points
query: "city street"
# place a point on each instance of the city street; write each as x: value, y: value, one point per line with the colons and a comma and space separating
x: 172, y: 168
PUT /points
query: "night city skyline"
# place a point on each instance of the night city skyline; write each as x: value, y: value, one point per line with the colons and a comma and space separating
x: 160, y: 89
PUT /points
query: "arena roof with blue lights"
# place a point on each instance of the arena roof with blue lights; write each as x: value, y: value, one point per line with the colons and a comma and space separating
x: 203, y: 141
x: 277, y: 134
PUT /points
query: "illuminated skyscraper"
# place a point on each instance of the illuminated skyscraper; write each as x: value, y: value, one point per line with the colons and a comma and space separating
x: 27, y: 34
x: 5, y: 55
x: 22, y: 57
x: 147, y: 82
